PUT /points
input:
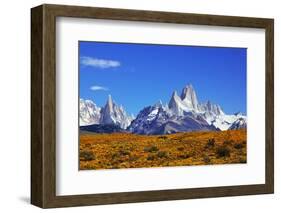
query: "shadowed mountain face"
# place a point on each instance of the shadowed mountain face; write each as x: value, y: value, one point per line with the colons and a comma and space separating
x: 188, y: 96
x: 102, y: 128
x: 240, y: 123
x: 183, y: 114
x: 186, y: 124
x: 159, y: 119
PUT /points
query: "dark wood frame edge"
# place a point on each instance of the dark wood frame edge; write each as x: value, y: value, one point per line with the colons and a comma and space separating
x: 43, y: 105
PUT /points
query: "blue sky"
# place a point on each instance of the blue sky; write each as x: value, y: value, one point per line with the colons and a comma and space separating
x: 138, y: 75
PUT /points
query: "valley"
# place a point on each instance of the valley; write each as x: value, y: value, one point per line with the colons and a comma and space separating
x: 126, y: 150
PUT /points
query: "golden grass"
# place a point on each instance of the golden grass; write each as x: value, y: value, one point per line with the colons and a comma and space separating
x: 124, y: 150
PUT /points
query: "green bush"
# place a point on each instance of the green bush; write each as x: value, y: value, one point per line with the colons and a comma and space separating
x: 115, y: 155
x: 87, y: 155
x: 133, y: 158
x: 163, y: 137
x: 180, y: 148
x: 150, y: 157
x: 124, y: 152
x: 206, y: 159
x: 210, y: 143
x: 162, y: 154
x: 184, y: 156
x: 151, y: 149
x: 238, y: 146
x: 119, y: 154
x: 223, y: 151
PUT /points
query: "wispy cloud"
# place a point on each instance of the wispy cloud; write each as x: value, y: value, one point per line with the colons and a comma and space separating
x: 96, y: 88
x: 98, y: 62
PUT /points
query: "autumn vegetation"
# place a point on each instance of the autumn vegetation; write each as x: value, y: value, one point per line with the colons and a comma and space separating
x: 125, y: 150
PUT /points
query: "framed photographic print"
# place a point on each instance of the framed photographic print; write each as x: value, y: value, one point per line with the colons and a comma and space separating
x: 136, y: 106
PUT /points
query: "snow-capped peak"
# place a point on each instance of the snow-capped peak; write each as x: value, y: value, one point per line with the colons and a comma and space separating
x: 89, y: 112
x: 158, y: 104
x: 238, y: 113
x: 175, y: 94
x: 212, y: 113
x: 240, y: 123
x: 109, y: 103
x: 111, y: 113
x: 177, y: 106
x: 211, y: 109
x: 189, y: 98
x: 182, y: 113
x: 187, y: 102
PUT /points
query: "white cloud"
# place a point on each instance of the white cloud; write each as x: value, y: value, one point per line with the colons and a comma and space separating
x: 99, y: 63
x: 96, y: 88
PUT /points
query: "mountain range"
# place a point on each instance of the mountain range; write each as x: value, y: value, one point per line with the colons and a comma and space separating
x: 110, y: 114
x: 183, y: 113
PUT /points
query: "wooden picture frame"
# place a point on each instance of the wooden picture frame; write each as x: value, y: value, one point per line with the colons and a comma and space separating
x: 43, y: 105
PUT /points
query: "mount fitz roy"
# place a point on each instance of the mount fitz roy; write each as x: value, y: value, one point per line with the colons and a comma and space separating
x: 182, y: 114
